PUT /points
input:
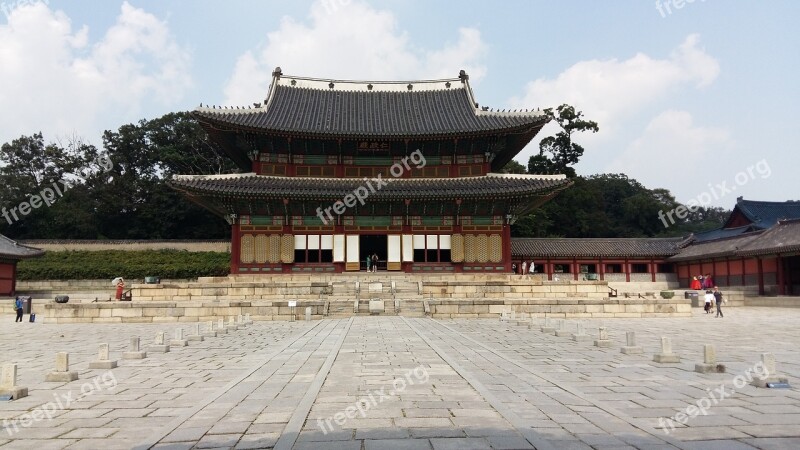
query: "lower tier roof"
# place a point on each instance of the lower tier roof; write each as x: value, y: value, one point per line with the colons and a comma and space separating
x: 250, y: 185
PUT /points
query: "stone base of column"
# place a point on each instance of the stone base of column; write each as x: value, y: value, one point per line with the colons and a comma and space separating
x: 178, y: 343
x: 632, y: 350
x: 709, y: 368
x: 134, y: 355
x: 581, y: 337
x: 763, y: 382
x: 548, y: 330
x: 195, y: 338
x: 666, y: 358
x: 158, y: 348
x: 61, y: 377
x: 602, y: 343
x: 108, y: 364
x: 15, y: 392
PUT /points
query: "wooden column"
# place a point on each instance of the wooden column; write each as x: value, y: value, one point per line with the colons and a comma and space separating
x: 627, y: 271
x: 602, y: 269
x: 781, y: 276
x: 653, y: 270
x: 236, y: 245
x: 760, y: 277
x: 507, y: 247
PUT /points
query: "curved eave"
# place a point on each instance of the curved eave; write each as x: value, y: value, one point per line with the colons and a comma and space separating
x: 254, y: 187
x: 221, y: 125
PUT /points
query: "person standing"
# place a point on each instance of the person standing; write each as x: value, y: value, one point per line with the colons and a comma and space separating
x: 374, y: 262
x: 524, y: 267
x: 18, y: 309
x: 369, y: 264
x: 718, y: 299
x: 120, y: 287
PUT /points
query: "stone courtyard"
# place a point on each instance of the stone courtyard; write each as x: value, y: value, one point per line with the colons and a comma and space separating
x: 397, y: 382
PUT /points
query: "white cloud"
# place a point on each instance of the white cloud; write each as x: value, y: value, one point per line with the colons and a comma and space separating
x: 56, y: 81
x: 674, y: 153
x: 610, y: 91
x: 350, y: 40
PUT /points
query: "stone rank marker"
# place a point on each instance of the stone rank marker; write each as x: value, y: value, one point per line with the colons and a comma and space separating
x: 231, y: 324
x: 631, y: 348
x: 210, y: 330
x: 771, y: 372
x: 580, y: 334
x: 562, y: 329
x: 103, y: 362
x: 548, y: 327
x: 159, y: 346
x: 62, y: 373
x: 134, y: 352
x: 603, y: 341
x: 198, y: 334
x: 709, y: 364
x: 666, y: 355
x: 179, y: 340
x: 8, y: 383
x: 247, y: 319
x: 221, y: 329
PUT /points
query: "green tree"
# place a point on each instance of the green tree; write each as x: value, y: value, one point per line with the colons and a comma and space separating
x: 557, y: 154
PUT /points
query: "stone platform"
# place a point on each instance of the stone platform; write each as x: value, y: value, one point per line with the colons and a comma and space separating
x: 453, y: 296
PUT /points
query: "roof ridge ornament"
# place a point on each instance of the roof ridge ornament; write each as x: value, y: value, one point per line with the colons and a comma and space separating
x: 277, y: 73
x: 462, y: 75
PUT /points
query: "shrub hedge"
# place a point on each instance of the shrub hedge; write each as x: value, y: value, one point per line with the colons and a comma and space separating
x: 92, y: 265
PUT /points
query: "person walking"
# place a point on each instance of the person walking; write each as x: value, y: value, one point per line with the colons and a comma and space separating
x: 18, y: 309
x: 718, y: 299
x: 709, y: 297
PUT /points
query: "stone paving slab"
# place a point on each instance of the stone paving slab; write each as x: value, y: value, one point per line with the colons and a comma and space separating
x: 392, y: 382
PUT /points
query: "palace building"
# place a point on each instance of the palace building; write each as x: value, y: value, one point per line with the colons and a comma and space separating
x: 11, y: 253
x: 334, y: 172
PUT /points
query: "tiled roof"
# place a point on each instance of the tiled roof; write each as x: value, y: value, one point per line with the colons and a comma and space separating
x: 261, y: 186
x: 12, y: 250
x: 782, y: 238
x: 721, y: 233
x: 717, y: 248
x: 595, y: 247
x: 337, y: 108
x: 766, y: 214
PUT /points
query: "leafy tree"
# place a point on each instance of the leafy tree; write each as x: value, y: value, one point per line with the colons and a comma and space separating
x: 513, y: 167
x: 558, y: 153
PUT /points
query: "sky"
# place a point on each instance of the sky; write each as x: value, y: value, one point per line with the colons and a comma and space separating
x: 697, y: 97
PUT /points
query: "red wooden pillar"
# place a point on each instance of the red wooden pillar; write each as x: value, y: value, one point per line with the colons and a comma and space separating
x: 760, y: 276
x: 575, y: 269
x: 14, y: 278
x: 627, y: 271
x: 507, y: 247
x: 653, y: 270
x: 744, y: 279
x: 236, y: 239
x: 781, y: 275
x: 548, y: 267
x: 602, y: 270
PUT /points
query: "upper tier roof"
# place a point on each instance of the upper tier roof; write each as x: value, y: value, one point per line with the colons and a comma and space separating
x: 763, y: 215
x: 378, y: 109
x: 12, y: 250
